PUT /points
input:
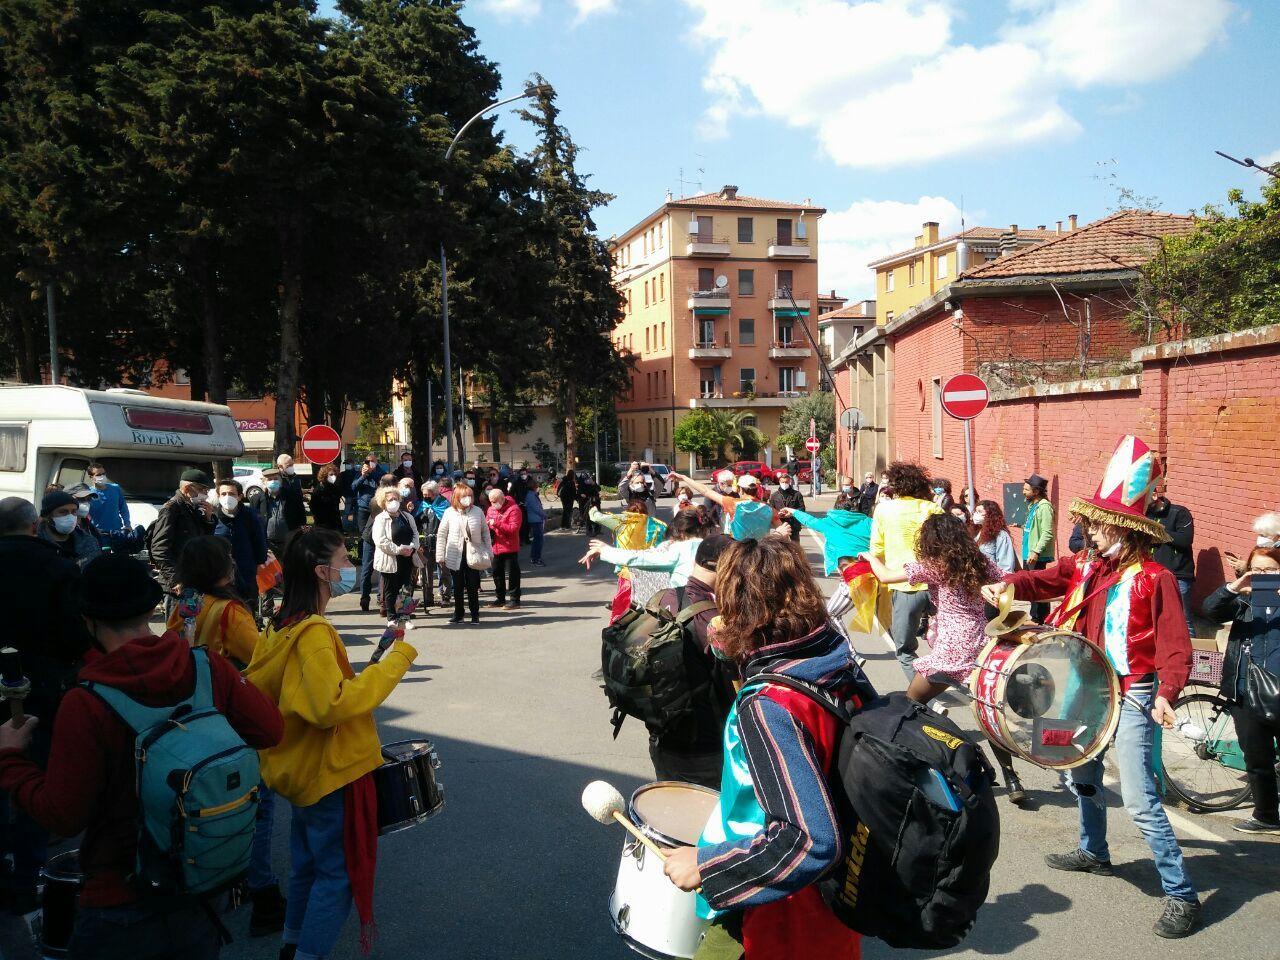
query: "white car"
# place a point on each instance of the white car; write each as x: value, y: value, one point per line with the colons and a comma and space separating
x: 250, y: 479
x: 665, y: 486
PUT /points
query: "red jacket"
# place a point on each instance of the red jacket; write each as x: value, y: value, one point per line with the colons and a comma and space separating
x: 89, y: 784
x: 504, y: 523
x: 1157, y: 637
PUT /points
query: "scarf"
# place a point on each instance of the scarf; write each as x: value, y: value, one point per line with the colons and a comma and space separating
x: 360, y: 845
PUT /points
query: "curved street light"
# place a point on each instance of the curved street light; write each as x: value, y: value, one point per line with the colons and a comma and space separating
x: 529, y: 93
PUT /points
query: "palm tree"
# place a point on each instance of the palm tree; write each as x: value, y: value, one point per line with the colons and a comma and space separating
x: 736, y: 433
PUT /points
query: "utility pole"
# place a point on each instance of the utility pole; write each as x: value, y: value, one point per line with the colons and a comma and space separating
x: 55, y: 368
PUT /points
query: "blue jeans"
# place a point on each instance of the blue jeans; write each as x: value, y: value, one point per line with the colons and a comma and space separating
x: 1184, y: 588
x: 319, y: 892
x: 536, y: 532
x: 145, y: 932
x: 261, y: 875
x: 909, y: 609
x: 1135, y: 741
x: 27, y: 842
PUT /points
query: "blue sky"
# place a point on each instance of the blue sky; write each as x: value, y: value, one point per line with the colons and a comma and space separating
x: 891, y: 112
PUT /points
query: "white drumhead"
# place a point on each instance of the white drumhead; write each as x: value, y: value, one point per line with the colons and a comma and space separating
x: 673, y: 813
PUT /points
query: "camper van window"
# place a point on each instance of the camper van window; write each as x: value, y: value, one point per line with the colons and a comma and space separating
x: 153, y: 481
x: 141, y: 418
x: 71, y: 472
x: 13, y: 447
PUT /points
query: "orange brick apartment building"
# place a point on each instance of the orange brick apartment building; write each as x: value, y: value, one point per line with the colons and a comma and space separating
x: 706, y: 315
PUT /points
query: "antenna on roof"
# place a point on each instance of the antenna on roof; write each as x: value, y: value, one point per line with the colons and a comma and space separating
x: 962, y: 213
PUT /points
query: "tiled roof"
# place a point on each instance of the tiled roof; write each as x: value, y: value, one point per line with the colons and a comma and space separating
x: 738, y: 200
x: 973, y: 233
x: 853, y: 312
x: 1122, y: 241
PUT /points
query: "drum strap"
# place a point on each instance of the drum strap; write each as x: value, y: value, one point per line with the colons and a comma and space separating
x: 1060, y: 616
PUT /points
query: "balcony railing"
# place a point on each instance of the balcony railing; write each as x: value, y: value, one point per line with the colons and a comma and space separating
x: 715, y: 343
x: 789, y: 242
x: 715, y: 393
x: 707, y: 244
x: 716, y: 294
x: 795, y: 247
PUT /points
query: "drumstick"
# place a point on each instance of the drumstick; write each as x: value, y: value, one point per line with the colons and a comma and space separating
x: 14, y: 687
x: 604, y: 803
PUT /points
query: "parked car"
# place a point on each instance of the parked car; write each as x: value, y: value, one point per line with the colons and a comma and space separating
x: 761, y: 471
x: 250, y: 479
x: 664, y: 486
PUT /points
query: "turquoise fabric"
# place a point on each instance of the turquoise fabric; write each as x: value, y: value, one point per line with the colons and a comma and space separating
x: 845, y: 533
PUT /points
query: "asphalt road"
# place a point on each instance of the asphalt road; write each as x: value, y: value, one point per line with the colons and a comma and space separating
x: 513, y: 867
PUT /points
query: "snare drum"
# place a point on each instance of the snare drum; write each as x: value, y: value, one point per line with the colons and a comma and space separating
x: 59, y: 901
x: 653, y: 916
x: 408, y: 792
x: 1054, y: 702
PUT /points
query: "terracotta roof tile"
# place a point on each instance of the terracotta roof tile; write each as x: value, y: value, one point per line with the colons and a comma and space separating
x: 973, y: 233
x: 1122, y: 241
x: 739, y: 200
x: 853, y: 312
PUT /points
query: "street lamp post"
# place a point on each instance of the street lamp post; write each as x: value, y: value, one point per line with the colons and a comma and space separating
x: 444, y: 278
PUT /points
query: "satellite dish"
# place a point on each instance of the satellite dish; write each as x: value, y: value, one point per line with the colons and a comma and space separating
x: 851, y: 419
x: 721, y: 282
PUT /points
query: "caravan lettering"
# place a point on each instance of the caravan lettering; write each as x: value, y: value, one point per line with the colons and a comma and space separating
x: 158, y: 439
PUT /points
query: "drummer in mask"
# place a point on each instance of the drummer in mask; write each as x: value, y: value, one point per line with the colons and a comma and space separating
x: 1129, y: 605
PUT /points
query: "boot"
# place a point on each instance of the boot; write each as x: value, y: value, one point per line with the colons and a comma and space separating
x: 288, y: 951
x: 268, y: 911
x: 1013, y: 787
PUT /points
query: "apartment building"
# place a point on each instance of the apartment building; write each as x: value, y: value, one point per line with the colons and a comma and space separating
x: 717, y: 290
x: 906, y: 278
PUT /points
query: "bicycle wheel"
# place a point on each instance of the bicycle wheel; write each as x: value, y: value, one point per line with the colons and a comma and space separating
x: 1201, y: 758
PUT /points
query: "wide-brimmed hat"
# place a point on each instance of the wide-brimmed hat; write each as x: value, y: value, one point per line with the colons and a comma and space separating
x: 1126, y: 490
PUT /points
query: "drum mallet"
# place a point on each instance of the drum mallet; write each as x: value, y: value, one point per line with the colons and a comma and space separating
x: 14, y: 687
x: 605, y: 804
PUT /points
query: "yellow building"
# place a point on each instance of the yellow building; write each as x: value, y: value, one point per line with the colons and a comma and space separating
x: 906, y: 278
x: 715, y: 289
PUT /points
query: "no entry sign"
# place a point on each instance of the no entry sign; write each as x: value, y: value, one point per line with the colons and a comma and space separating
x: 813, y: 444
x: 321, y: 444
x: 964, y: 396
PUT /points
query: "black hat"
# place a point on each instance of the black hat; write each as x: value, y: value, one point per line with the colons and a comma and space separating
x: 1037, y: 481
x: 117, y: 588
x: 710, y: 549
x: 55, y: 499
x: 195, y: 475
x: 82, y: 490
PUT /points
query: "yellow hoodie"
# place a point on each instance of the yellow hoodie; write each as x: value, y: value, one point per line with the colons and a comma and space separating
x: 330, y: 738
x: 225, y: 626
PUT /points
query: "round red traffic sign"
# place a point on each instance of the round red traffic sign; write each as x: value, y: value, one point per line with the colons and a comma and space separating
x: 321, y: 444
x: 964, y: 396
x: 813, y: 444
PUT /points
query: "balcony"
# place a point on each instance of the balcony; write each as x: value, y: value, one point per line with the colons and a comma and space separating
x: 781, y: 301
x: 716, y: 348
x: 788, y: 248
x: 717, y: 299
x: 705, y: 245
x: 739, y: 400
x: 789, y: 350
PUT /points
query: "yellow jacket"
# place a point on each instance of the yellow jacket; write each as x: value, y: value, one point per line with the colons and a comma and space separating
x: 225, y: 626
x: 330, y: 738
x: 894, y: 529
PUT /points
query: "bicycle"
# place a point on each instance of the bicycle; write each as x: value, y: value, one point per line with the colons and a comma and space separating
x: 1200, y: 759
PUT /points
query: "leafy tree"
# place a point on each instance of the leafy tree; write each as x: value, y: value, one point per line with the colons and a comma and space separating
x: 701, y: 434
x: 793, y: 425
x: 1223, y: 276
x: 743, y: 438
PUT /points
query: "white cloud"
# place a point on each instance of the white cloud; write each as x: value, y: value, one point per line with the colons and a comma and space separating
x: 516, y: 9
x: 885, y: 82
x: 587, y: 8
x: 1267, y: 159
x: 866, y: 230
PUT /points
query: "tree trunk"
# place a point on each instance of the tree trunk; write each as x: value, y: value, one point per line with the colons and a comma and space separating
x: 571, y: 425
x: 28, y: 352
x: 419, y: 419
x: 214, y: 368
x: 290, y: 337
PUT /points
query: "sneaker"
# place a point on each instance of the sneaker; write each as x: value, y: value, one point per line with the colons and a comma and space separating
x: 391, y: 621
x: 539, y: 563
x: 288, y: 951
x: 1077, y: 861
x: 496, y: 604
x: 1254, y: 825
x: 1178, y: 918
x: 364, y: 604
x: 455, y: 619
x: 268, y: 911
x: 513, y: 605
x: 475, y: 618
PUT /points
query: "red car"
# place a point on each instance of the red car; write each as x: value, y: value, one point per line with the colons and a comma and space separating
x: 761, y: 471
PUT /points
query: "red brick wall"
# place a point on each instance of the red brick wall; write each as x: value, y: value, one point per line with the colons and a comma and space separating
x: 1035, y: 327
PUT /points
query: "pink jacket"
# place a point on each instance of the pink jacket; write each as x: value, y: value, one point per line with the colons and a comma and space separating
x: 505, y: 523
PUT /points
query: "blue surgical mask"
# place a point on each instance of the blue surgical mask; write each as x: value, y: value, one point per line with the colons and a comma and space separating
x: 65, y: 523
x: 937, y: 490
x: 345, y: 583
x: 273, y: 486
x: 847, y: 489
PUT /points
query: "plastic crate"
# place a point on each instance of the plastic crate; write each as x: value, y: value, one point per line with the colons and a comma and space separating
x: 1206, y: 667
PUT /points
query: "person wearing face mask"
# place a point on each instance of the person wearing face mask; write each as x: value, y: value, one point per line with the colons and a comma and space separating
x: 536, y: 517
x: 68, y: 527
x: 867, y: 493
x: 516, y: 487
x: 239, y: 523
x: 464, y: 547
x: 567, y: 492
x: 272, y: 508
x: 395, y: 538
x: 993, y: 537
x: 1037, y: 533
x: 326, y: 499
x: 88, y: 782
x: 787, y: 497
x: 108, y: 510
x: 684, y: 500
x: 1254, y: 639
x: 291, y: 492
x: 1266, y: 531
x: 1129, y: 605
x: 724, y: 487
x: 407, y: 471
x: 1177, y: 553
x: 187, y: 515
x: 941, y: 489
x: 323, y: 764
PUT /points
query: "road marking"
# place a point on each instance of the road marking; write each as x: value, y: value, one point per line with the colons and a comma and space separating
x: 1184, y: 823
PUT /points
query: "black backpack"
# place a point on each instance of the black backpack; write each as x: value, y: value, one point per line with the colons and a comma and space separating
x: 642, y: 659
x: 920, y: 823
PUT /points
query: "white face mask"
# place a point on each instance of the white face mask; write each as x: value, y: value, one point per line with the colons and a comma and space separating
x: 464, y: 502
x: 683, y: 498
x: 785, y: 484
x: 82, y: 509
x: 100, y: 481
x: 1264, y: 542
x: 1113, y: 550
x: 979, y: 516
x: 289, y: 470
x: 407, y: 464
x: 229, y: 502
x: 393, y: 506
x: 198, y: 498
x: 406, y: 493
x: 65, y: 523
x: 331, y: 478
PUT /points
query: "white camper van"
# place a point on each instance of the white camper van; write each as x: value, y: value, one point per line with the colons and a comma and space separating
x: 50, y: 434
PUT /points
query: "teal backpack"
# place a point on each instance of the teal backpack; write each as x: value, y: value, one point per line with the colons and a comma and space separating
x: 197, y: 784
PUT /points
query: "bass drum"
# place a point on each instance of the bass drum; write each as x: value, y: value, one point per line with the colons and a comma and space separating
x: 1054, y: 701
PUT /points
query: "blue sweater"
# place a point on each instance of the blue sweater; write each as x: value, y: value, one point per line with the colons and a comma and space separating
x: 108, y: 510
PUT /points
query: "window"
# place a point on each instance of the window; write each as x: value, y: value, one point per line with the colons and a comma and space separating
x: 664, y: 334
x: 936, y: 425
x: 888, y: 280
x: 709, y: 381
x: 662, y: 286
x: 706, y: 333
x: 942, y: 265
x: 706, y: 278
x: 785, y: 332
x: 13, y: 447
x: 661, y: 239
x: 911, y: 274
x: 888, y: 316
x: 746, y: 283
x: 746, y: 333
x: 786, y: 379
x: 784, y: 233
x: 746, y: 230
x: 747, y: 380
x: 704, y: 229
x: 750, y: 421
x: 646, y: 339
x: 785, y: 280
